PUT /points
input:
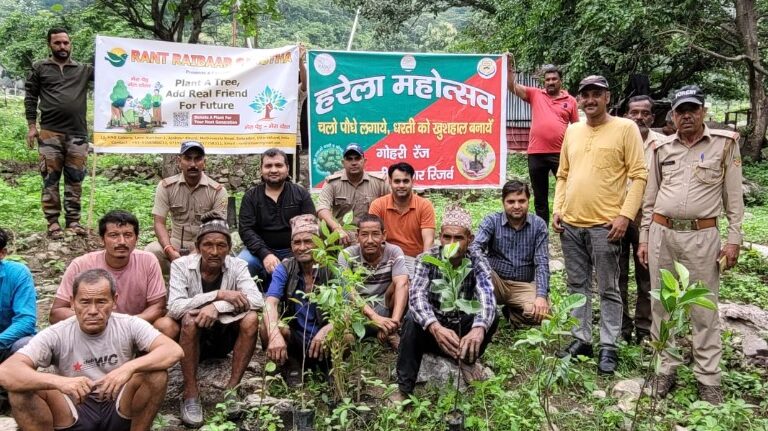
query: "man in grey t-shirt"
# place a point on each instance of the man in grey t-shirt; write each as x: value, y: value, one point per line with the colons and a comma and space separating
x: 387, y: 281
x: 99, y: 383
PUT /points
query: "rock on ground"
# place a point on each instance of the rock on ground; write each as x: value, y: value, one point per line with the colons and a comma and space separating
x: 7, y: 424
x: 440, y: 371
x: 750, y: 323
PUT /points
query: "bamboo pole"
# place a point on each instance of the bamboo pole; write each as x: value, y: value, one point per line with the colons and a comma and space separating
x: 93, y: 193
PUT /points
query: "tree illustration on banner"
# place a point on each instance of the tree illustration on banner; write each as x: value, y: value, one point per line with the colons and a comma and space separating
x: 267, y: 101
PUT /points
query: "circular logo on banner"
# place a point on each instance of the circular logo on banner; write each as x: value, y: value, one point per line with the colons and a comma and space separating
x: 325, y: 64
x: 328, y: 159
x: 116, y: 57
x: 486, y: 68
x: 408, y: 63
x: 475, y: 159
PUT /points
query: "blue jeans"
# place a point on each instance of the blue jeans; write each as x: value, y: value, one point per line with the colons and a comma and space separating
x: 18, y: 344
x: 256, y: 266
x: 585, y: 249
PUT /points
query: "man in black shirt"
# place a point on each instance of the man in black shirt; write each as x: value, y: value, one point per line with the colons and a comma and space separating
x: 58, y: 86
x: 265, y: 215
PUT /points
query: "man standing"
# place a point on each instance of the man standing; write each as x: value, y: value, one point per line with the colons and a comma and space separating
x: 387, y: 279
x: 58, y: 86
x: 516, y: 245
x: 214, y: 300
x: 695, y: 174
x: 551, y: 110
x: 304, y: 335
x: 137, y: 274
x: 640, y: 110
x: 100, y: 381
x: 265, y: 215
x: 427, y: 329
x: 18, y: 303
x: 351, y: 189
x: 592, y: 211
x: 188, y: 196
x: 413, y: 216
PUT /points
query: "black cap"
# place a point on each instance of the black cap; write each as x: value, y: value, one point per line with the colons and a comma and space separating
x: 188, y: 145
x: 593, y: 81
x: 353, y: 148
x: 688, y: 94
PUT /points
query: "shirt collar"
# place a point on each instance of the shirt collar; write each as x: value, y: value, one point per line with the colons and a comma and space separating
x: 391, y: 201
x: 506, y: 220
x: 204, y: 180
x: 344, y: 176
x: 563, y: 94
x: 707, y: 135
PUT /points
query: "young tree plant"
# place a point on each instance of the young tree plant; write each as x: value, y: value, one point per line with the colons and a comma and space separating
x: 552, y: 370
x: 451, y: 296
x: 678, y: 296
x: 339, y: 303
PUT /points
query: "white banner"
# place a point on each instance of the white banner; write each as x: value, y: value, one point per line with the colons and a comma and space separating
x: 152, y: 95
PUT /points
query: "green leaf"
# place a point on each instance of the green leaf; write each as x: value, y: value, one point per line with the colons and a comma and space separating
x: 270, y: 367
x: 348, y: 217
x: 468, y: 307
x: 317, y: 241
x: 682, y: 273
x: 359, y: 329
x: 669, y: 281
x: 450, y: 250
x: 705, y: 302
x: 693, y: 293
x: 432, y: 260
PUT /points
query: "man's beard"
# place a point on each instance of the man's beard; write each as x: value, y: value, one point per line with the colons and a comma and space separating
x: 61, y: 54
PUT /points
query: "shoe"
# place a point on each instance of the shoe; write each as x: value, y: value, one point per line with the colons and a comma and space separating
x: 192, y: 412
x: 76, y: 229
x: 577, y: 348
x: 607, y: 362
x: 396, y: 398
x: 54, y: 231
x: 660, y: 385
x: 710, y: 394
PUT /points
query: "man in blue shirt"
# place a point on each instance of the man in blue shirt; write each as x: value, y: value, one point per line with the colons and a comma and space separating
x: 305, y: 334
x: 18, y: 303
x: 516, y: 244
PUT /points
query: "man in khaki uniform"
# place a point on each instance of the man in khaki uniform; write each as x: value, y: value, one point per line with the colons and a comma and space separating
x: 694, y: 174
x: 639, y: 110
x: 351, y: 189
x: 187, y: 196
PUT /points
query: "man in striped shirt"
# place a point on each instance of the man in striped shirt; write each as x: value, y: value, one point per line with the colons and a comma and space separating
x: 427, y: 329
x: 516, y: 244
x: 386, y: 285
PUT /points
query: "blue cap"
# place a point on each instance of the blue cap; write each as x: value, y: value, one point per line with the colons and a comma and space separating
x: 353, y: 148
x: 188, y: 145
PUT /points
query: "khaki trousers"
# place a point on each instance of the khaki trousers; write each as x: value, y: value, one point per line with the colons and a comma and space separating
x: 697, y: 251
x: 518, y: 297
x: 165, y: 265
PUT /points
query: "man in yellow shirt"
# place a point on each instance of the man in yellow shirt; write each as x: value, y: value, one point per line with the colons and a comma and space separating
x: 593, y: 209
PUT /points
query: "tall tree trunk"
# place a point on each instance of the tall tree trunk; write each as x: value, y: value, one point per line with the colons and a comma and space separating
x: 746, y: 22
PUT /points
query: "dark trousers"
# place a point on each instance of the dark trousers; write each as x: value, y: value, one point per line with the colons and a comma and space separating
x: 415, y: 342
x: 539, y: 167
x: 642, y: 321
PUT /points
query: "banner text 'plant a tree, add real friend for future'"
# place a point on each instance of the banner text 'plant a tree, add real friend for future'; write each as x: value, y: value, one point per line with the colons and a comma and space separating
x: 442, y: 113
x: 152, y: 95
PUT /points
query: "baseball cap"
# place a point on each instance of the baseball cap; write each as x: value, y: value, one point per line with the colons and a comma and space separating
x: 353, y: 148
x: 593, y: 81
x: 688, y: 94
x: 188, y: 145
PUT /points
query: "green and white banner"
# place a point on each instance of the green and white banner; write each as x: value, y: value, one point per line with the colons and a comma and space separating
x: 442, y: 113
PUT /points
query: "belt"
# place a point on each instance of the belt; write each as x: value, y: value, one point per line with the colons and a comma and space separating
x: 684, y: 225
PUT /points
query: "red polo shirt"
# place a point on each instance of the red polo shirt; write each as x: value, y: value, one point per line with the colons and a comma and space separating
x: 550, y: 118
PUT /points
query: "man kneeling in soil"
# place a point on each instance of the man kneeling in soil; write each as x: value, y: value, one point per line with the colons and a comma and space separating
x: 387, y: 280
x: 304, y: 335
x: 214, y: 299
x: 427, y: 329
x: 100, y: 383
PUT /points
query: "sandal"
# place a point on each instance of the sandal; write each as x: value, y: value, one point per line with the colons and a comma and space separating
x: 76, y: 228
x: 55, y: 232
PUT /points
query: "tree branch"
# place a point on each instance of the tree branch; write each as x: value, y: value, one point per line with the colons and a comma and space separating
x: 737, y: 58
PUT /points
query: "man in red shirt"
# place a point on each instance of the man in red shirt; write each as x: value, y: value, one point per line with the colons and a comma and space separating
x: 552, y: 109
